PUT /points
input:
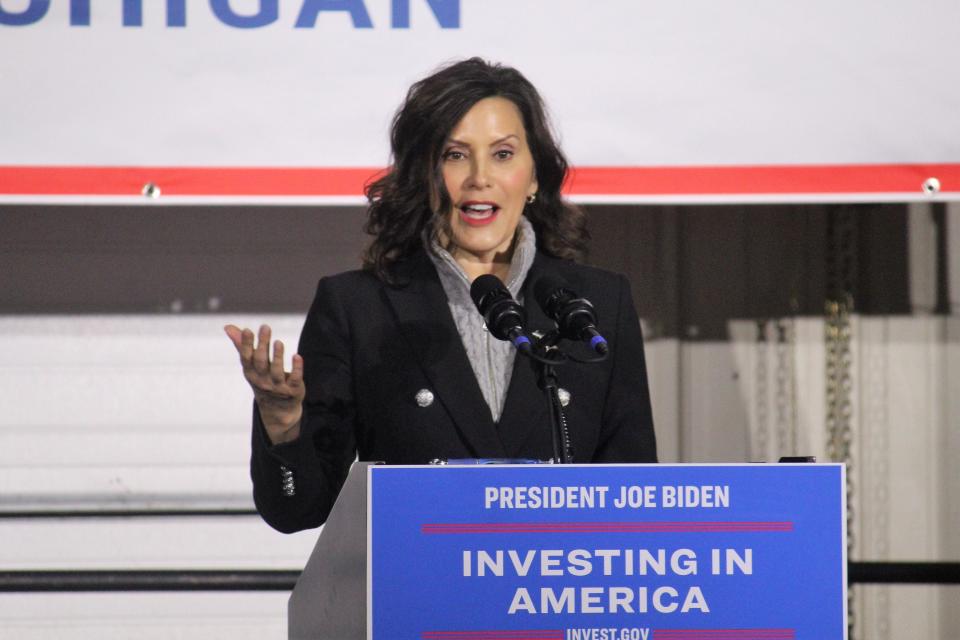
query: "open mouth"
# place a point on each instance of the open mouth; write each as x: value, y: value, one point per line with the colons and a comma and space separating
x: 478, y: 213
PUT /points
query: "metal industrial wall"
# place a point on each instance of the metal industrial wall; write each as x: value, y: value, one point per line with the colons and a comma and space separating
x: 124, y: 419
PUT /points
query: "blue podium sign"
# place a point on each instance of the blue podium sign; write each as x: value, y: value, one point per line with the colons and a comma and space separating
x: 607, y: 552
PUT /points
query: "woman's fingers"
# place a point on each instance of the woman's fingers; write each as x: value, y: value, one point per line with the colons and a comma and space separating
x: 261, y: 355
x: 235, y: 334
x: 246, y: 349
x: 296, y: 374
x: 242, y: 340
x: 276, y: 367
x: 265, y: 374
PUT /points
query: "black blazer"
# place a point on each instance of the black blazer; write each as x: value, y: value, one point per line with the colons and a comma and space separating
x: 369, y: 348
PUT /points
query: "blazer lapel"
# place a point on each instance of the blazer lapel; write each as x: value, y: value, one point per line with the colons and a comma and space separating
x: 425, y: 320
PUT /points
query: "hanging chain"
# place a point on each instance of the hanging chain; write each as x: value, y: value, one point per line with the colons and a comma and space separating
x: 762, y: 438
x: 840, y: 410
x: 842, y: 271
x: 786, y: 389
x: 875, y: 461
x: 839, y: 382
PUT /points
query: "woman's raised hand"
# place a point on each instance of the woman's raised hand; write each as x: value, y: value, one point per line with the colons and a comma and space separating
x: 279, y: 394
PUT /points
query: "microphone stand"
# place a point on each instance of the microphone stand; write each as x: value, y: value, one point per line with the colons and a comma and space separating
x: 547, y: 381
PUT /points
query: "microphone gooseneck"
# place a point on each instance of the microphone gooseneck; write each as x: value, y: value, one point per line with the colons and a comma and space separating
x: 575, y: 317
x: 505, y: 318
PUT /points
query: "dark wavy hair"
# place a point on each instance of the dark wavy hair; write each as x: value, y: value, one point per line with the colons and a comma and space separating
x: 411, y: 195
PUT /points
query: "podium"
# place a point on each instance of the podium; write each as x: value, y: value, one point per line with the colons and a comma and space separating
x: 330, y: 597
x: 563, y: 552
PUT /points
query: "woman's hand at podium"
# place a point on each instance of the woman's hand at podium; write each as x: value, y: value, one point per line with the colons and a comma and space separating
x: 279, y: 394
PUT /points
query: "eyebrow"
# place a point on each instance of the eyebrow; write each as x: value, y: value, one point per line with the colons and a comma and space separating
x: 495, y: 142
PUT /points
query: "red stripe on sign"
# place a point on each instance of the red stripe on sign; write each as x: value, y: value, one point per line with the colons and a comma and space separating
x: 553, y: 634
x: 600, y: 527
x: 549, y: 632
x: 723, y: 634
x: 584, y: 181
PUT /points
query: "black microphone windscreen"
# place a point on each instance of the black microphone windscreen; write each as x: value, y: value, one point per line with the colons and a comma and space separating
x: 483, y: 286
x: 545, y: 288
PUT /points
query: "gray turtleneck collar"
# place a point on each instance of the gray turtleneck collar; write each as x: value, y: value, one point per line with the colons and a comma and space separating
x: 491, y: 359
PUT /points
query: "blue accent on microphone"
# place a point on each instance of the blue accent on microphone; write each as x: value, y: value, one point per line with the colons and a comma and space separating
x: 522, y: 343
x: 597, y: 339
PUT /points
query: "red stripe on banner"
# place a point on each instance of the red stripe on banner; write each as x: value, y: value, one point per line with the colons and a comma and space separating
x: 723, y: 634
x: 584, y: 181
x: 602, y: 527
x: 771, y: 179
x: 187, y: 181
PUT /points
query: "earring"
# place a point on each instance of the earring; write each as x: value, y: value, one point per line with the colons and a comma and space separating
x: 531, y: 198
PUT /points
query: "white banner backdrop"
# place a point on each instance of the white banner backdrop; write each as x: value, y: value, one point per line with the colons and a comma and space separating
x: 688, y: 100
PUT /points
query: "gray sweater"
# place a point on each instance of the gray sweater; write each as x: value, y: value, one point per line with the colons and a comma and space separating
x: 491, y: 359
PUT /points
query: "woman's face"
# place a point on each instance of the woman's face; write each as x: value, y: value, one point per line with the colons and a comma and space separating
x: 488, y: 172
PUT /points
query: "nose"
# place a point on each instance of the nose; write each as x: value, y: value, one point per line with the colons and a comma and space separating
x: 479, y: 176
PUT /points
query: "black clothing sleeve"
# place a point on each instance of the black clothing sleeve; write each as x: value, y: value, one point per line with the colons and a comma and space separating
x: 321, y: 457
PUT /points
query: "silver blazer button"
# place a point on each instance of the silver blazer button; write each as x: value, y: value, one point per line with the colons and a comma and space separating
x: 288, y: 485
x: 424, y: 397
x: 564, y: 396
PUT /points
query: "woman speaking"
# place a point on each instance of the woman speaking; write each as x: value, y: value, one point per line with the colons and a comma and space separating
x: 395, y: 363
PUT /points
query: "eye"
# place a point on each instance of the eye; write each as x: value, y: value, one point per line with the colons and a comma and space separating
x: 504, y: 154
x: 454, y: 154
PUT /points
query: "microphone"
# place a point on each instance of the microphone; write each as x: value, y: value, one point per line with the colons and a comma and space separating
x: 505, y: 317
x: 575, y: 316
